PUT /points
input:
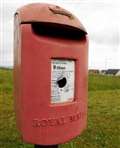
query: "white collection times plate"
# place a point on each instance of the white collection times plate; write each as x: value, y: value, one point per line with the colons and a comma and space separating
x: 62, y: 80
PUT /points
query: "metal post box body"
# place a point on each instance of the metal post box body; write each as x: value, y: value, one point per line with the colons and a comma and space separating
x: 41, y: 121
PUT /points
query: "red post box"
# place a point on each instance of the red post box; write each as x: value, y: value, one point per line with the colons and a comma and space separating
x: 50, y: 73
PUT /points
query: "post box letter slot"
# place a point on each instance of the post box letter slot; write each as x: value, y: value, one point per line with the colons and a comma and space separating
x: 58, y: 31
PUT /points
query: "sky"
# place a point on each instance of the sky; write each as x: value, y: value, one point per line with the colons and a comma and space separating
x: 101, y: 19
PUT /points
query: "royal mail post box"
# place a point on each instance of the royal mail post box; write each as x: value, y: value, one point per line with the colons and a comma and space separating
x: 50, y: 74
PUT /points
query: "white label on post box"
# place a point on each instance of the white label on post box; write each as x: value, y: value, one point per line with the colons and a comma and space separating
x: 62, y: 80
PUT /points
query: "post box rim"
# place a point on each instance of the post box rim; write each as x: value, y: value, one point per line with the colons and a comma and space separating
x: 29, y: 14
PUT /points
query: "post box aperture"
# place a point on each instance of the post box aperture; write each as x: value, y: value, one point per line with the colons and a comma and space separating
x: 50, y: 74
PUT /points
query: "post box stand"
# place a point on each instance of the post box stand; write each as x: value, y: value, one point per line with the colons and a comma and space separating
x: 47, y: 146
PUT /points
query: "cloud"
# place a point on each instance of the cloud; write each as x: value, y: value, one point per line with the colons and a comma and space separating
x: 100, y: 18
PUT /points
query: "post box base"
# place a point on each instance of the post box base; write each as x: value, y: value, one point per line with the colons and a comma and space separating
x: 46, y: 146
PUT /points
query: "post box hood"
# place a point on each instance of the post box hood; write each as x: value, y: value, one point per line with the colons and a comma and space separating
x: 47, y: 13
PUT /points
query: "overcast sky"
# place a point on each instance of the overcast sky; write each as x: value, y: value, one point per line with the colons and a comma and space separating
x: 101, y: 19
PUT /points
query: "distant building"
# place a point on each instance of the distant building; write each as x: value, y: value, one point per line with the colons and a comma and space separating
x: 103, y: 72
x: 115, y: 72
x: 118, y: 73
x: 94, y: 71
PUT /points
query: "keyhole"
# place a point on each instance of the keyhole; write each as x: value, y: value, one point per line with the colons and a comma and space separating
x: 62, y: 82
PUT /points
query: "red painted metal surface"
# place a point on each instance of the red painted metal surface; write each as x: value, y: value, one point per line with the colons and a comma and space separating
x: 48, y: 13
x: 39, y: 121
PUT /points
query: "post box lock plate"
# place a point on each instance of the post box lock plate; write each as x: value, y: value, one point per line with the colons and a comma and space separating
x: 62, y: 80
x: 59, y: 10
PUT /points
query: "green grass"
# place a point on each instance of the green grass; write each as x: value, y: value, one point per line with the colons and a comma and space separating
x: 103, y: 129
x: 102, y: 82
